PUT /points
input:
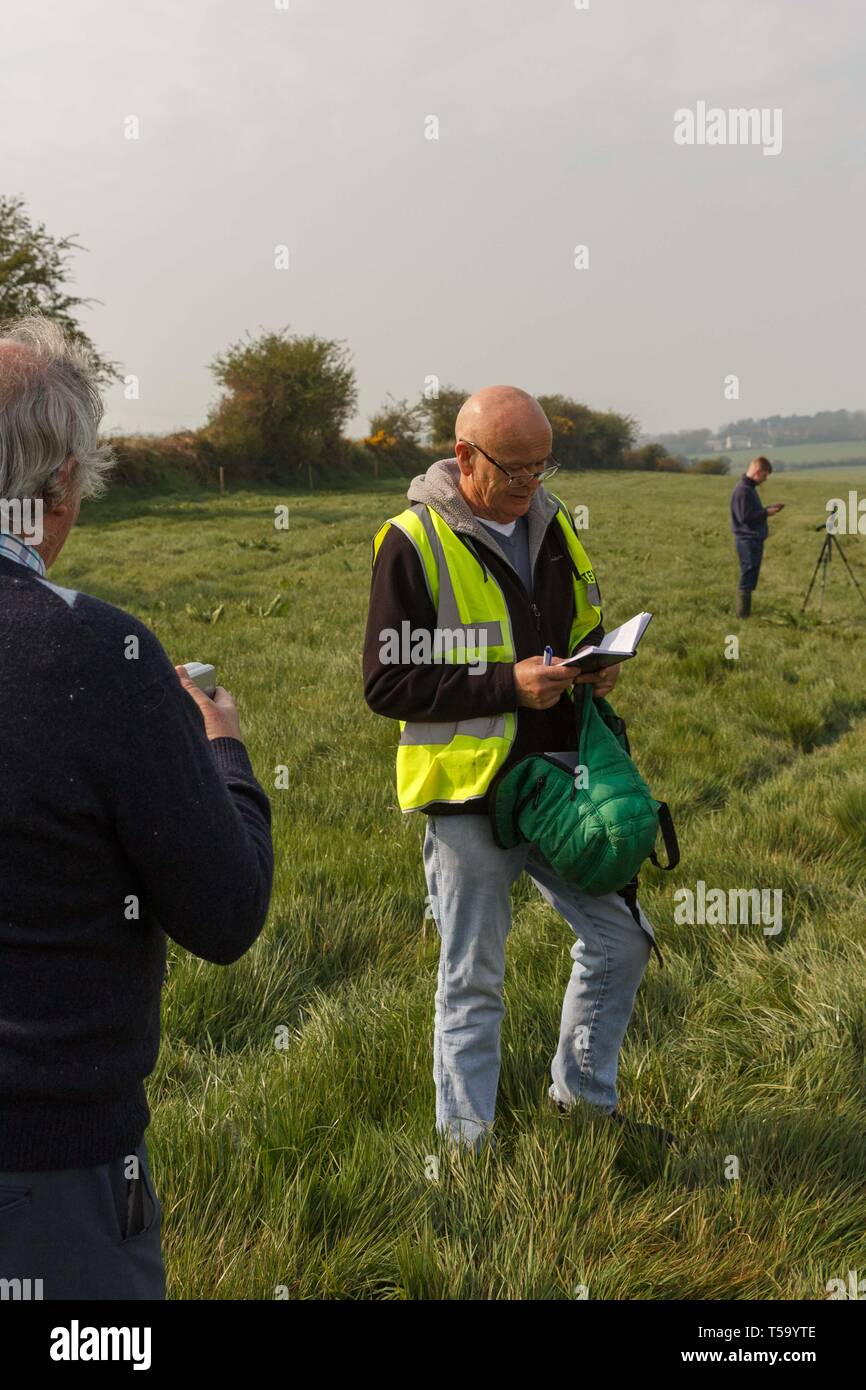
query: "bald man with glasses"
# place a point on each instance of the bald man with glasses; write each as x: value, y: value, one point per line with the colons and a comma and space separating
x: 483, y: 542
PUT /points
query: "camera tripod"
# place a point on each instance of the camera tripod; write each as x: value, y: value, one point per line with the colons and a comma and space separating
x: 831, y: 541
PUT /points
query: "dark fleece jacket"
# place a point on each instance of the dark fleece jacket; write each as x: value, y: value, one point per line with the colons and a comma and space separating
x: 444, y: 691
x: 120, y: 824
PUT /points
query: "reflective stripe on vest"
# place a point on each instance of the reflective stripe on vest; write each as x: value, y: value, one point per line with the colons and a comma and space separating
x: 587, y: 600
x: 455, y: 761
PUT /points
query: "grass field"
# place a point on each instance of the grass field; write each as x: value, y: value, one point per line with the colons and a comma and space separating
x: 304, y: 1166
x: 842, y: 477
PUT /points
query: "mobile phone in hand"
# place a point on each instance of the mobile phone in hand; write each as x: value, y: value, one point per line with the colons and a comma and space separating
x: 202, y: 675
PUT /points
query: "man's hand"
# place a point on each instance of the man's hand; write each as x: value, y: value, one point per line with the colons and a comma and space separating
x: 540, y: 686
x: 774, y: 507
x: 604, y: 681
x: 220, y: 712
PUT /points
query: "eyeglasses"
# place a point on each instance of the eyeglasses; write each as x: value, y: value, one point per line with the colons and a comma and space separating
x: 521, y: 475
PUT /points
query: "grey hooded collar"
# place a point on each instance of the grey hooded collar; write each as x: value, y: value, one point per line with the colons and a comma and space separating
x: 438, y: 488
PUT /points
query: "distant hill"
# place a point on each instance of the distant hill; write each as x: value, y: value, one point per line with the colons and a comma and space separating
x: 796, y: 456
x: 776, y: 433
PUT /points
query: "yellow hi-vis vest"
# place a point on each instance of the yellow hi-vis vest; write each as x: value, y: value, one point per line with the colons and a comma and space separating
x: 457, y: 761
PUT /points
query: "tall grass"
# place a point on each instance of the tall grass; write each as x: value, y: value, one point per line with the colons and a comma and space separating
x: 293, y: 1142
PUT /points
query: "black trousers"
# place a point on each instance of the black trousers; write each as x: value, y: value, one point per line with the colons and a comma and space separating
x: 82, y: 1233
x: 750, y: 550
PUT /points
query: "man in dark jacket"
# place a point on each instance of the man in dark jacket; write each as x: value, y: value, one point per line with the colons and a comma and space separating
x: 128, y: 810
x: 749, y: 525
x: 488, y: 502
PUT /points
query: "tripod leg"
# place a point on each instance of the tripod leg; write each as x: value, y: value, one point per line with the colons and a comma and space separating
x: 814, y: 574
x: 827, y: 557
x: 844, y: 559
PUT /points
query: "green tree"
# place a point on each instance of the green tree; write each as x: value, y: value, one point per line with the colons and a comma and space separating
x: 394, y: 440
x: 645, y: 459
x: 719, y: 464
x: 287, y: 399
x: 400, y: 421
x: 439, y: 413
x: 584, y: 438
x: 34, y: 270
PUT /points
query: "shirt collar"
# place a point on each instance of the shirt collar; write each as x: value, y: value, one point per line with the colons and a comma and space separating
x: 14, y: 549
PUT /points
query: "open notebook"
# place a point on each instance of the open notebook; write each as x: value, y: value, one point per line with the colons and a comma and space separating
x: 617, y: 646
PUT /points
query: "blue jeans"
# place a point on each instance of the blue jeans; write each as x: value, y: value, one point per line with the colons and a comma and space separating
x: 469, y: 879
x: 750, y: 550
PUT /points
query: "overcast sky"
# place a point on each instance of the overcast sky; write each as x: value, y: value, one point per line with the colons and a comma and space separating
x: 306, y: 127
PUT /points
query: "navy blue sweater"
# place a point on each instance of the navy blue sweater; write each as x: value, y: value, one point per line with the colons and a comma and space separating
x: 748, y: 517
x: 119, y: 822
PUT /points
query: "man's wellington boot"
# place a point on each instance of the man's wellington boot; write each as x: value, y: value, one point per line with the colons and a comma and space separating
x: 744, y: 603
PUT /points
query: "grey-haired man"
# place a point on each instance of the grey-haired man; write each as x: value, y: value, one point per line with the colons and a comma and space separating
x: 128, y: 810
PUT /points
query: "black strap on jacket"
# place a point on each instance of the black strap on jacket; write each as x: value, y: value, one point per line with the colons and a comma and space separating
x: 669, y: 835
x: 629, y: 893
